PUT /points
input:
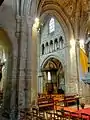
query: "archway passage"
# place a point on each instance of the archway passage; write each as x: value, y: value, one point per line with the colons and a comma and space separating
x: 53, y: 75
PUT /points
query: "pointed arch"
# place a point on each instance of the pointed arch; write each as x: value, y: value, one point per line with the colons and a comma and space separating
x: 54, y: 9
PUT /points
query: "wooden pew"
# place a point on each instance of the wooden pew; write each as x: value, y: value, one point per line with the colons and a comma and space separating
x: 69, y: 100
x: 45, y: 103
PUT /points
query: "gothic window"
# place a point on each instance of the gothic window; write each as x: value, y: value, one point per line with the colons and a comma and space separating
x: 51, y: 25
x: 49, y: 76
x: 43, y: 49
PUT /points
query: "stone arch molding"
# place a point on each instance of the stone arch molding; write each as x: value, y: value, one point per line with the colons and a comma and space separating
x: 5, y: 40
x: 52, y: 56
x: 53, y: 8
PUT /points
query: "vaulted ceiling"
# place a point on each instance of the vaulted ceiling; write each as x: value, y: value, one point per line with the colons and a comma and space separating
x: 74, y: 13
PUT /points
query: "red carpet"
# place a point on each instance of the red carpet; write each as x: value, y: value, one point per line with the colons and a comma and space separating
x: 86, y: 112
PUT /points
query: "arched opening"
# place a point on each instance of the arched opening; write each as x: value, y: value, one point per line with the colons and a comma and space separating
x: 43, y: 48
x: 47, y: 47
x: 6, y: 69
x: 53, y: 75
x: 51, y: 45
x: 61, y: 42
x: 55, y: 44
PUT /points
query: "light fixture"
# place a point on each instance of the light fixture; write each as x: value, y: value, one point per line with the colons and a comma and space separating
x: 72, y: 43
x: 81, y: 43
x: 36, y: 20
x: 36, y: 23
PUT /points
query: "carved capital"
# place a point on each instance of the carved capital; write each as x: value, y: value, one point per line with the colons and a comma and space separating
x: 30, y: 21
x: 77, y: 43
x: 18, y: 18
x: 67, y: 44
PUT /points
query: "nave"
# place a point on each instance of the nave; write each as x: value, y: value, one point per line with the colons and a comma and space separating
x: 45, y: 45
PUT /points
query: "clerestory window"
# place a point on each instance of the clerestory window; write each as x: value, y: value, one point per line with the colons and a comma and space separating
x: 51, y: 25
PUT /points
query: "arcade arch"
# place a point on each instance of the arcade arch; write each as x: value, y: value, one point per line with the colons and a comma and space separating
x: 51, y: 44
x: 6, y: 58
x: 52, y: 74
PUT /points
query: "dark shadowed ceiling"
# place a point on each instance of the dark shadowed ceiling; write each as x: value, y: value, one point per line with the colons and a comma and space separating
x: 1, y: 1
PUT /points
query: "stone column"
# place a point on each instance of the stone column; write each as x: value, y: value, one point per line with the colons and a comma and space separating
x: 34, y: 66
x: 13, y: 88
x: 39, y: 73
x: 18, y: 86
x: 67, y: 67
x: 28, y: 63
x: 32, y: 60
x: 77, y: 52
x: 71, y: 83
x: 23, y: 67
x: 22, y: 85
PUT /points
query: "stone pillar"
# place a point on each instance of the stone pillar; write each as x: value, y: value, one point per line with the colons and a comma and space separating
x: 28, y: 63
x: 67, y: 67
x: 34, y: 65
x: 22, y: 85
x: 18, y: 87
x: 71, y: 83
x: 77, y: 52
x: 39, y: 73
x: 13, y: 88
x: 23, y: 67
